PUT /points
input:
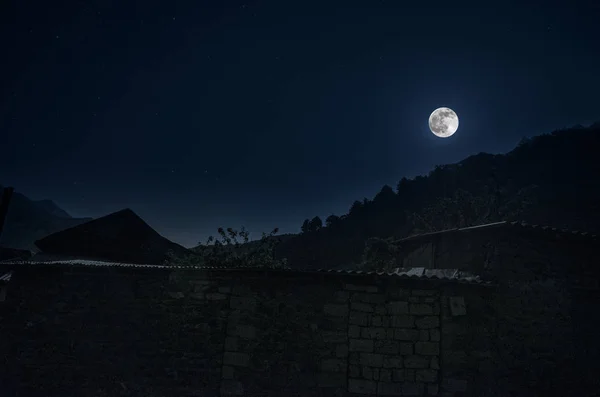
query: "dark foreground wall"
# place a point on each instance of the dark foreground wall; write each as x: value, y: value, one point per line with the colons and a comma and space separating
x: 546, y: 303
x: 81, y: 331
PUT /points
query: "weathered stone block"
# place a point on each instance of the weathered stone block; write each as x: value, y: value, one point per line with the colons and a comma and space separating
x: 341, y: 351
x: 334, y: 365
x: 371, y: 359
x: 334, y: 336
x: 330, y: 323
x: 242, y: 303
x: 406, y: 334
x: 354, y: 331
x: 397, y: 307
x: 424, y: 335
x: 435, y: 363
x: 421, y: 309
x: 342, y: 296
x: 358, y: 318
x: 374, y: 333
x: 406, y: 348
x: 392, y: 362
x: 241, y: 289
x: 241, y: 330
x: 412, y: 389
x: 361, y: 386
x: 432, y: 390
x: 231, y: 388
x: 227, y: 372
x: 389, y: 389
x: 426, y: 375
x: 178, y: 295
x: 427, y: 322
x: 434, y: 334
x: 362, y: 307
x: 336, y: 310
x: 236, y: 359
x: 365, y: 288
x: 225, y: 290
x: 200, y: 281
x: 353, y: 371
x: 416, y: 362
x: 387, y: 347
x: 427, y: 348
x: 231, y: 343
x: 368, y: 373
x: 215, y: 296
x: 399, y: 293
x: 424, y: 292
x: 368, y: 298
x: 380, y: 321
x: 361, y: 345
x: 234, y: 316
x: 385, y: 375
x: 332, y: 379
x: 409, y: 375
x: 197, y: 287
x: 454, y: 385
x: 380, y: 309
x: 398, y: 375
x: 402, y: 321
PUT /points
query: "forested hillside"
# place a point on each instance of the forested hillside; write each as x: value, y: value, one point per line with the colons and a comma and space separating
x: 552, y: 179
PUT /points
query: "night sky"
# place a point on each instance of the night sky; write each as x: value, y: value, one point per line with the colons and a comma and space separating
x: 198, y: 114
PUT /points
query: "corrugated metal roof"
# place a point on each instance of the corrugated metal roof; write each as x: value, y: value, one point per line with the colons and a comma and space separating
x: 420, y: 273
x: 502, y: 224
x: 452, y: 275
x: 83, y: 262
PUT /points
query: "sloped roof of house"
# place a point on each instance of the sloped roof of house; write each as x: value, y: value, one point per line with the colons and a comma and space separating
x: 121, y: 237
x: 418, y: 273
x: 503, y: 224
x: 13, y: 253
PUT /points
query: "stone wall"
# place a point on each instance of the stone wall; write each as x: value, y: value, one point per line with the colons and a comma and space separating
x: 547, y: 286
x: 83, y: 331
x: 89, y: 331
x: 394, y: 341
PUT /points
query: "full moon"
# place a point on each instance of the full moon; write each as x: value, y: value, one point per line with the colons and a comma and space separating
x: 443, y: 122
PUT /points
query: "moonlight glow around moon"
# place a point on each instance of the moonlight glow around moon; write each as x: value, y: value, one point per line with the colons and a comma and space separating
x: 443, y: 122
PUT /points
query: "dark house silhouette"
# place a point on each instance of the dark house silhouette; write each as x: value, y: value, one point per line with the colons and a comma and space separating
x: 118, y: 237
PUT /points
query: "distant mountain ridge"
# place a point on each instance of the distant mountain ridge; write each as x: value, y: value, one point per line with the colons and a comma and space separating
x: 51, y: 207
x: 30, y: 220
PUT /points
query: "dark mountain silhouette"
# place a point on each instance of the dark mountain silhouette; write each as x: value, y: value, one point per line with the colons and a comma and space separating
x: 551, y: 179
x: 28, y: 220
x: 51, y: 207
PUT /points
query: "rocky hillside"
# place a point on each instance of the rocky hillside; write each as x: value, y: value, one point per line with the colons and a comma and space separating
x: 29, y: 220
